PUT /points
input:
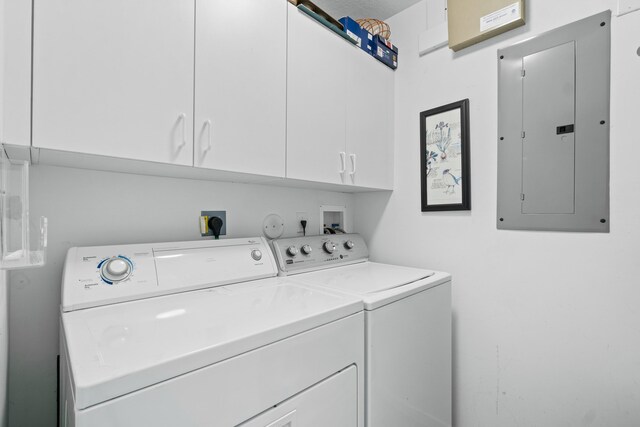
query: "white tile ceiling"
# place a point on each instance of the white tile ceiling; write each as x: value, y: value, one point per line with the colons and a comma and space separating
x: 381, y: 9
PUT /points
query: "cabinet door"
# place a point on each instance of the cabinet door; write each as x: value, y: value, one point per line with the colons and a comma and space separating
x: 15, y: 77
x: 114, y: 78
x: 316, y: 110
x: 370, y: 118
x: 240, y: 97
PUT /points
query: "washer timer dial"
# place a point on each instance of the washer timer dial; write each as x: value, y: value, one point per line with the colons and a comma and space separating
x: 329, y: 247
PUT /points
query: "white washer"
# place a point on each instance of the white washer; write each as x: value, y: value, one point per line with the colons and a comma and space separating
x: 204, y: 334
x: 408, y: 325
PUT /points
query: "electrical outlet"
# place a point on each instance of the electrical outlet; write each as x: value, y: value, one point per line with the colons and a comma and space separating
x: 220, y: 214
x: 300, y: 216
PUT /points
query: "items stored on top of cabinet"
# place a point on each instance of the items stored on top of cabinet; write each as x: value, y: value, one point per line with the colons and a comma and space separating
x: 553, y: 129
x: 471, y: 22
x: 372, y: 43
x: 309, y: 5
x: 373, y: 39
x: 376, y: 27
x: 323, y: 20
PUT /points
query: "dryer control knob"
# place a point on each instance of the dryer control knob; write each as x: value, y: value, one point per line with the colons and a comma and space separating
x: 349, y: 244
x: 292, y: 251
x: 117, y: 267
x: 256, y: 255
x: 329, y: 247
x: 306, y: 249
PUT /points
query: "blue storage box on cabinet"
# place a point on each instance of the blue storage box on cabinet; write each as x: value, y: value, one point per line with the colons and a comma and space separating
x: 362, y: 37
x: 385, y: 51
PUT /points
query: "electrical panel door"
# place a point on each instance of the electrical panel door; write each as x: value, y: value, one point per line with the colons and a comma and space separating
x: 553, y: 129
x: 548, y: 144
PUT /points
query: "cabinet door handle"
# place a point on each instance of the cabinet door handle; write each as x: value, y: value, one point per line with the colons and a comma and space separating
x: 353, y: 164
x: 343, y: 161
x: 183, y: 117
x: 208, y: 125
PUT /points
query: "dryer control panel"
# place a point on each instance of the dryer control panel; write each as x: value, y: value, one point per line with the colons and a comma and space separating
x: 102, y: 275
x: 303, y: 254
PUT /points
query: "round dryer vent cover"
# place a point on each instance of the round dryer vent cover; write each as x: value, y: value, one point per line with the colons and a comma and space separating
x: 273, y: 226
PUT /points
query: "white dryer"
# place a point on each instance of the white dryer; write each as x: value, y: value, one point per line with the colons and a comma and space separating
x: 407, y: 319
x: 204, y: 334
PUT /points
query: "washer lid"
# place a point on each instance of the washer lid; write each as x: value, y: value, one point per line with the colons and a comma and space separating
x: 117, y: 349
x: 376, y: 284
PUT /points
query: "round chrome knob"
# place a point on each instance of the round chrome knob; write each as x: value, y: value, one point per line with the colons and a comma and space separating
x: 349, y: 244
x: 292, y: 251
x: 306, y: 249
x: 329, y: 247
x: 256, y: 255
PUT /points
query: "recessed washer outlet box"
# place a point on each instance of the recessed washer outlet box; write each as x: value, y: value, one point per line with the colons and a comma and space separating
x: 220, y: 214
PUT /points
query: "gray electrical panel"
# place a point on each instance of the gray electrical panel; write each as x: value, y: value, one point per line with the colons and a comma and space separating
x: 553, y: 129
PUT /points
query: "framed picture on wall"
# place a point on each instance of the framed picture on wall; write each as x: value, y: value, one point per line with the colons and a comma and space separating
x: 444, y: 158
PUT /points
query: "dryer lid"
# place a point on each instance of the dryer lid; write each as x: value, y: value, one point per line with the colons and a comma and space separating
x: 117, y: 349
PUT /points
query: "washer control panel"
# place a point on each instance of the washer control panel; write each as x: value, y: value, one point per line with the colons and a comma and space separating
x: 302, y: 254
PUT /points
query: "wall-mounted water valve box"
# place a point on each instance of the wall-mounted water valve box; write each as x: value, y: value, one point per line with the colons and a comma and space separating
x: 553, y: 129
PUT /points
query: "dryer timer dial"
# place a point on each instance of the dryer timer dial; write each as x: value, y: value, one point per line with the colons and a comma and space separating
x: 115, y: 269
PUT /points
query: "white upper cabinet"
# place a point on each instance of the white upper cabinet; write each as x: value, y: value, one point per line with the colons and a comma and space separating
x: 340, y: 110
x: 15, y: 72
x: 241, y: 86
x: 316, y: 107
x: 253, y: 87
x: 115, y: 78
x: 370, y: 118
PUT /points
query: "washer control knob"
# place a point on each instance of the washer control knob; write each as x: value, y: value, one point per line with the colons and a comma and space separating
x: 329, y: 247
x: 306, y: 249
x: 292, y: 251
x: 349, y: 244
x: 117, y: 267
x: 256, y: 255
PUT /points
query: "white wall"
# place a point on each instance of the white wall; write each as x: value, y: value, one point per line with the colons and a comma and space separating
x: 140, y: 209
x: 547, y: 325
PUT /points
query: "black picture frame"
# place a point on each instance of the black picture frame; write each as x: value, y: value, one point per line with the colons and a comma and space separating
x: 445, y: 168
